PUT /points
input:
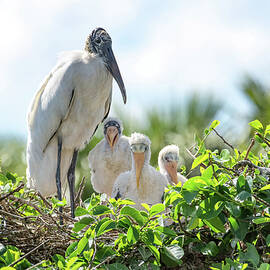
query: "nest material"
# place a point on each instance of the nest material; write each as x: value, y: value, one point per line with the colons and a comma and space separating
x: 39, y: 235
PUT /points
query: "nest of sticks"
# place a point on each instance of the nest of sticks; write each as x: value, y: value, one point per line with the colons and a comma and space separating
x: 38, y: 236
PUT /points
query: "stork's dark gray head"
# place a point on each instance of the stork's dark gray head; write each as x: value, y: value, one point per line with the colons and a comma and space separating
x: 99, y: 39
x: 100, y: 44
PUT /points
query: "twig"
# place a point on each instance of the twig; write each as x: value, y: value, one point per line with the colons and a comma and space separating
x: 182, y: 228
x: 80, y: 190
x: 26, y: 202
x: 45, y: 200
x: 226, y: 168
x: 12, y: 192
x: 249, y: 148
x: 94, y: 254
x: 55, y: 209
x: 225, y: 141
x: 15, y: 216
x: 261, y: 200
x: 212, y: 165
x: 35, y: 265
x: 28, y: 253
x: 106, y: 260
x: 263, y: 138
x: 202, y: 165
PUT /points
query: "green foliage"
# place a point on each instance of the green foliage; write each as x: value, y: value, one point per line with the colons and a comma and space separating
x: 221, y: 217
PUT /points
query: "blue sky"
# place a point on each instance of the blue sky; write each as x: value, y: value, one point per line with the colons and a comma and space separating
x: 165, y: 49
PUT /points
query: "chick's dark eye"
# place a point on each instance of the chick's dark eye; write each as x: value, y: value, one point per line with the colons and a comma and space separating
x: 98, y: 40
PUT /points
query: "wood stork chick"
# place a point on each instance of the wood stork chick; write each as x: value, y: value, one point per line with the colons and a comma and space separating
x: 168, y: 159
x: 65, y: 112
x: 143, y: 184
x: 110, y: 157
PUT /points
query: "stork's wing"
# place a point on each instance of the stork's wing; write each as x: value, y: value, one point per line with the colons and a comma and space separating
x: 120, y: 186
x: 52, y: 104
x: 71, y: 101
x: 107, y: 110
x: 107, y: 106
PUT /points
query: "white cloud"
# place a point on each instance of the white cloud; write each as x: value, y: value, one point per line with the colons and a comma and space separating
x: 197, y: 46
x: 179, y: 45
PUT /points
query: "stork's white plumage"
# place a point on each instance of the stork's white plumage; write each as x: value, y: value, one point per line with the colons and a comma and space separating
x: 143, y: 184
x: 65, y: 112
x: 168, y: 159
x: 110, y: 157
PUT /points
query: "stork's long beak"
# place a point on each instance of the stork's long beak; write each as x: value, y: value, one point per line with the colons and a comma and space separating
x: 112, y: 136
x: 139, y: 161
x: 171, y: 167
x: 114, y: 70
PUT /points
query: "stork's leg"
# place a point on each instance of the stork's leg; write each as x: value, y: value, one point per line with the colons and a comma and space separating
x: 58, y: 176
x: 71, y: 181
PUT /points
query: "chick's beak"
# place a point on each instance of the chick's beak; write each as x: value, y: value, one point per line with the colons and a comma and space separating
x: 139, y: 161
x: 112, y: 136
x: 171, y: 167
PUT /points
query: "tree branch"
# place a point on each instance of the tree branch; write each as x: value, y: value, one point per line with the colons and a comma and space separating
x: 28, y: 253
x: 225, y: 141
x: 12, y: 192
x: 249, y: 148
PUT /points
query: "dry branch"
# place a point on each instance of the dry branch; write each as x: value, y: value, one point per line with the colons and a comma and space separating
x: 30, y: 233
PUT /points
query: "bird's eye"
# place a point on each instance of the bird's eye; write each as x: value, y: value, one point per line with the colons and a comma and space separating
x: 98, y: 40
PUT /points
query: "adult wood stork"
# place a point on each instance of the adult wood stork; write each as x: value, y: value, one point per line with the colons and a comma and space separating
x: 143, y: 184
x: 110, y: 157
x: 66, y: 111
x: 168, y: 159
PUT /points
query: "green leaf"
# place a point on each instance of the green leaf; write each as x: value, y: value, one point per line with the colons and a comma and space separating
x: 116, y: 266
x: 197, y: 183
x: 2, y: 249
x: 242, y: 196
x: 214, y: 124
x: 171, y: 255
x: 71, y: 248
x: 251, y: 255
x: 234, y: 209
x: 106, y: 226
x: 210, y: 249
x: 100, y: 210
x: 261, y: 220
x: 210, y: 208
x: 81, y: 211
x: 239, y: 228
x: 154, y: 251
x: 166, y: 230
x: 81, y: 245
x: 243, y: 184
x: 267, y: 130
x: 225, y: 155
x: 156, y: 209
x: 257, y: 125
x: 127, y: 202
x: 148, y: 237
x: 133, y: 213
x: 189, y: 196
x: 200, y: 159
x: 265, y: 187
x: 146, y: 206
x: 124, y: 222
x: 193, y: 223
x: 215, y: 224
x: 132, y: 235
x: 268, y: 240
x: 82, y: 223
x: 264, y: 266
x: 144, y: 252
